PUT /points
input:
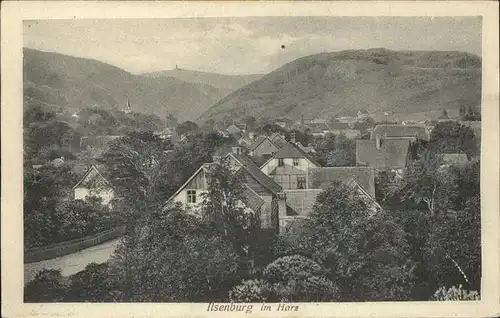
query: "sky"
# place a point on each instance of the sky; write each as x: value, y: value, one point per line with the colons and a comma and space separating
x: 243, y: 45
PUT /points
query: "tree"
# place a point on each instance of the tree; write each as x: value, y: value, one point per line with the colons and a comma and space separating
x: 297, y: 278
x: 174, y: 257
x: 224, y: 207
x: 343, y: 154
x: 93, y: 284
x: 453, y: 137
x: 137, y: 166
x: 444, y: 231
x: 186, y: 127
x: 47, y: 286
x: 364, y: 255
x: 426, y: 182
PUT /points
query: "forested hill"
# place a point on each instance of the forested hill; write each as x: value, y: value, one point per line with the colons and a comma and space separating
x: 58, y: 80
x: 230, y: 83
x: 340, y: 83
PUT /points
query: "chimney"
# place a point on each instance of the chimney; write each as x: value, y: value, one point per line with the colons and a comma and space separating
x: 292, y: 137
x: 236, y: 150
x: 378, y: 141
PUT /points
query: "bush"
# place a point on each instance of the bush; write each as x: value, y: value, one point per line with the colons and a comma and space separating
x: 254, y: 290
x: 94, y: 284
x: 455, y: 293
x: 298, y: 278
x: 47, y: 286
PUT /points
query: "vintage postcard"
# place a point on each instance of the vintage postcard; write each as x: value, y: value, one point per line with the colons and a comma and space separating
x: 291, y: 159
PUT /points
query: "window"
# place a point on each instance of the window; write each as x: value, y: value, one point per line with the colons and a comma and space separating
x: 295, y: 161
x: 301, y: 182
x: 191, y: 196
x: 281, y: 162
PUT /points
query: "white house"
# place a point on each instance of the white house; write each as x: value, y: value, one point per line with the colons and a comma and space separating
x: 288, y: 167
x: 93, y: 184
x: 261, y: 194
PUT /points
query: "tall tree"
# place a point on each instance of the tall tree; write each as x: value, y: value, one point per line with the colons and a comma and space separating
x: 225, y: 209
x: 137, y: 166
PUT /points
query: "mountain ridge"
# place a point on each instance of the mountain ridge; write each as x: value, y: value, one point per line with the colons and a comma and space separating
x: 66, y: 81
x: 343, y: 82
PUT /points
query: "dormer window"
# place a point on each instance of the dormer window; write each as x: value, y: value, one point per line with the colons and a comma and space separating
x: 281, y: 162
x: 295, y: 161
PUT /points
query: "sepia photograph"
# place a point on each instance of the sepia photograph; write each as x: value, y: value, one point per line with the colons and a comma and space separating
x: 240, y: 161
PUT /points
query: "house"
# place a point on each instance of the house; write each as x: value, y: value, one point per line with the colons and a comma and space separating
x: 261, y: 194
x: 300, y: 202
x: 165, y: 133
x: 384, y: 153
x: 288, y: 167
x: 280, y: 123
x: 362, y: 114
x: 318, y: 129
x: 347, y: 129
x: 419, y: 132
x: 93, y: 183
x: 278, y: 140
x: 262, y: 146
x: 233, y: 130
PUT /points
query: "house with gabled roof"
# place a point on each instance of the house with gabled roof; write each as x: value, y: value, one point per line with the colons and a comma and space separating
x: 398, y: 131
x: 384, y: 153
x: 262, y: 146
x: 93, y: 183
x: 278, y: 139
x: 300, y: 202
x: 233, y: 130
x: 261, y: 194
x: 288, y: 167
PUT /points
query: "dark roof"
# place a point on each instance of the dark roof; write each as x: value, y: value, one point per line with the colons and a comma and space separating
x: 257, y: 174
x: 400, y: 131
x: 290, y: 151
x: 301, y: 202
x: 393, y: 153
x: 320, y: 178
x: 258, y: 141
x: 278, y: 140
x: 252, y: 199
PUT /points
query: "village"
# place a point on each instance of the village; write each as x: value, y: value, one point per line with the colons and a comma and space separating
x: 283, y: 167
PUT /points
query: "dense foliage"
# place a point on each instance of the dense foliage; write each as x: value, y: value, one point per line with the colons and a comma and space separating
x: 424, y: 241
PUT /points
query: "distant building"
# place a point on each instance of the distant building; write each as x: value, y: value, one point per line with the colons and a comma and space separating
x: 233, y: 130
x: 419, y: 132
x: 278, y: 140
x: 280, y: 123
x: 127, y: 109
x: 262, y: 146
x: 362, y: 114
x: 384, y: 153
x: 344, y: 128
x: 93, y: 184
x: 289, y: 166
